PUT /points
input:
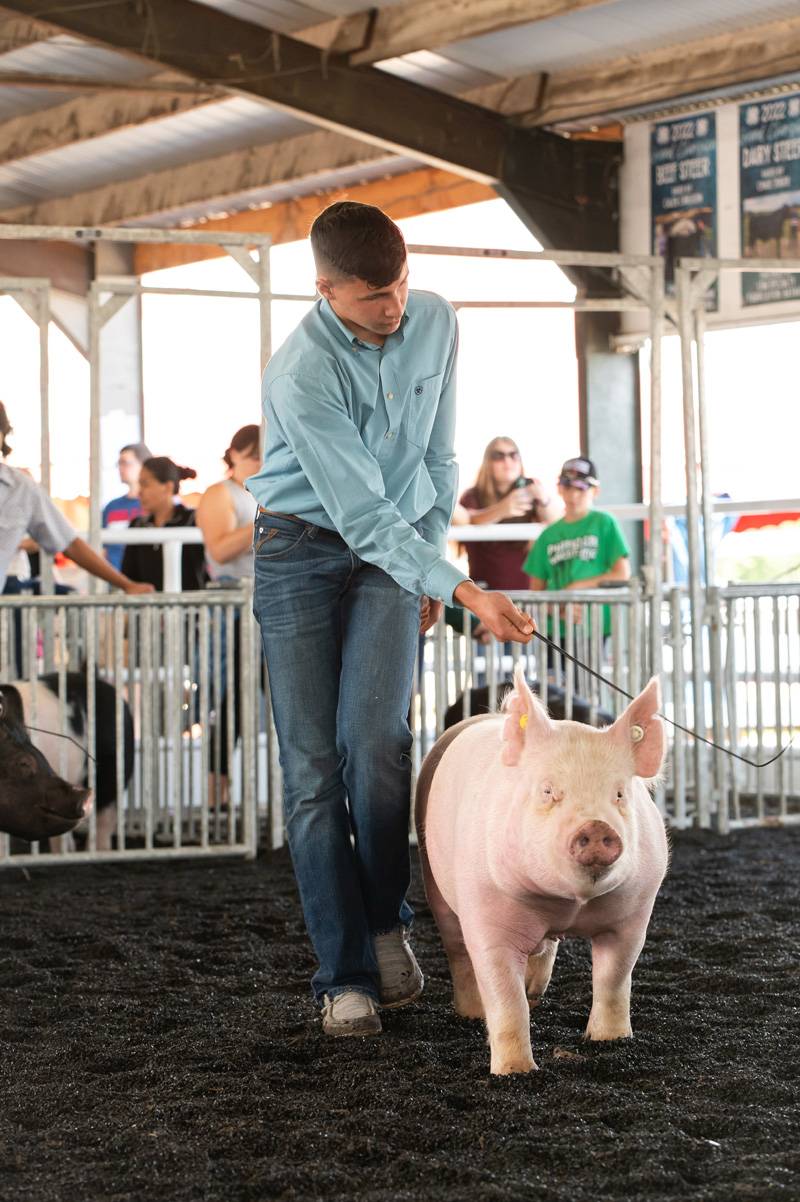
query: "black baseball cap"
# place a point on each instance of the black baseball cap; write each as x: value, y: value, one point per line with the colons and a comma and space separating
x: 578, y: 473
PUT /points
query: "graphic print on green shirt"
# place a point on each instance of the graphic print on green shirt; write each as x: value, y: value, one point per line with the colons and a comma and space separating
x: 570, y: 551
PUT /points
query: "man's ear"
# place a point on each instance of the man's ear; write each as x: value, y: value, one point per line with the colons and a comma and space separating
x: 324, y: 287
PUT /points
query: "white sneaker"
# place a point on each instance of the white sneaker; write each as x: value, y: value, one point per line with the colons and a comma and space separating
x: 350, y: 1013
x: 401, y: 978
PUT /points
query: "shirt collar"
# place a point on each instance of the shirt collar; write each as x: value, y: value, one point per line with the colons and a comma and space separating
x: 6, y: 474
x: 335, y: 322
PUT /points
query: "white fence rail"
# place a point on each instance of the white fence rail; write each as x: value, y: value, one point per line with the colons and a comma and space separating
x: 201, y: 776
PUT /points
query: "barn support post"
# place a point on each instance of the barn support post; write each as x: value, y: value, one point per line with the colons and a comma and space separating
x: 610, y: 423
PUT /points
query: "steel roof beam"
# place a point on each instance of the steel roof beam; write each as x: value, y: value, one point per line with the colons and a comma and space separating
x: 563, y: 190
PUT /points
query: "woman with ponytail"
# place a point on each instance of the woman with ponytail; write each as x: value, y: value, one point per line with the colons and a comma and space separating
x: 159, y: 482
x: 227, y: 510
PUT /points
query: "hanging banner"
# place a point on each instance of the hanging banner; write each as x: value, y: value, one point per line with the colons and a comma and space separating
x: 769, y: 187
x: 683, y: 157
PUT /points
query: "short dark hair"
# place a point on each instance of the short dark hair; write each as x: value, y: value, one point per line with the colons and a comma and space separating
x: 162, y: 468
x: 358, y: 241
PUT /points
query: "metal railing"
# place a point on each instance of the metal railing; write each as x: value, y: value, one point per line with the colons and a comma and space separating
x: 189, y: 670
x: 182, y: 674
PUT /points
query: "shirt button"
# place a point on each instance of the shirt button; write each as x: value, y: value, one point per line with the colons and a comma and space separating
x: 390, y: 396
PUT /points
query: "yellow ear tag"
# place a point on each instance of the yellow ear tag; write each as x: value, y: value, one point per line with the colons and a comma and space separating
x: 523, y: 721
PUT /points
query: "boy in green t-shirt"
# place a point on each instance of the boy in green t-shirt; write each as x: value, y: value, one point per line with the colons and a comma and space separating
x: 584, y: 549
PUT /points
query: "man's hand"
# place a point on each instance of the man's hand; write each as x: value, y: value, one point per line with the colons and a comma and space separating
x: 133, y: 586
x: 497, y: 613
x: 430, y: 612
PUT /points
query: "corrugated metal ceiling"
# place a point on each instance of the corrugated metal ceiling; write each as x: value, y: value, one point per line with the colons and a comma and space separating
x: 608, y: 31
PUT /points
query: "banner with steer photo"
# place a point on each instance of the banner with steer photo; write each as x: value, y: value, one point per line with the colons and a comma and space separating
x: 683, y: 156
x: 769, y: 175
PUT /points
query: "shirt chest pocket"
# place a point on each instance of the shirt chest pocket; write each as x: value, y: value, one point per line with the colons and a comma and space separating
x: 420, y: 410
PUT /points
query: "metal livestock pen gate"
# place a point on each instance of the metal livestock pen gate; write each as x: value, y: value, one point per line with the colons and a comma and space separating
x: 166, y: 655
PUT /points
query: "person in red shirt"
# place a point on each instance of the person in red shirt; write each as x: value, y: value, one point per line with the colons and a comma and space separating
x: 503, y: 493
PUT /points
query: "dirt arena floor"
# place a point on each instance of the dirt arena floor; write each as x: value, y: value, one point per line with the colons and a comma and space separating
x: 158, y: 1042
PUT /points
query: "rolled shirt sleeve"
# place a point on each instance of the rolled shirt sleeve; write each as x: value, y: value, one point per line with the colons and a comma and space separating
x: 346, y: 477
x: 47, y: 525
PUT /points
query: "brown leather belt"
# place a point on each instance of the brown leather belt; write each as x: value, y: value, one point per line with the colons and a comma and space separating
x: 313, y: 531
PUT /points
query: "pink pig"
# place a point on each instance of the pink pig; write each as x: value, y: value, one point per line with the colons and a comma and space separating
x: 531, y: 829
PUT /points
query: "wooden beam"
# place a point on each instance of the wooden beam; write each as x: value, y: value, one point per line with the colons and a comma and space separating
x: 162, y: 85
x: 377, y: 34
x: 66, y: 264
x: 407, y: 195
x: 17, y: 32
x: 88, y: 117
x: 561, y: 188
x: 215, y: 179
x: 606, y: 89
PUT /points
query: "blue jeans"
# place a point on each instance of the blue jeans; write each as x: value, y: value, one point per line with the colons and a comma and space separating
x: 340, y: 637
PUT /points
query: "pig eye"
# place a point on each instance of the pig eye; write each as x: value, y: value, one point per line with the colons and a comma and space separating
x: 620, y: 795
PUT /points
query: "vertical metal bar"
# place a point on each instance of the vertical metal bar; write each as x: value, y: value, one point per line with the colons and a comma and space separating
x: 6, y: 617
x: 229, y: 734
x: 95, y: 444
x: 684, y: 292
x: 706, y: 475
x: 248, y: 711
x: 62, y: 697
x: 778, y: 768
x: 149, y: 687
x: 440, y: 673
x: 597, y: 619
x: 172, y: 558
x: 569, y: 667
x: 656, y: 548
x: 469, y: 656
x: 119, y: 721
x: 717, y: 695
x: 264, y: 279
x: 91, y: 715
x: 172, y: 725
x: 731, y: 677
x: 216, y: 701
x: 759, y: 682
x: 203, y: 722
x: 43, y: 315
x: 678, y: 710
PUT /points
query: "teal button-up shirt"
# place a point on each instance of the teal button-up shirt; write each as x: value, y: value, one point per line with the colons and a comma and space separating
x: 360, y: 439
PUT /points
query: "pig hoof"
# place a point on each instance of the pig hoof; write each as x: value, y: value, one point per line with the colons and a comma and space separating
x: 605, y: 1034
x: 505, y: 1068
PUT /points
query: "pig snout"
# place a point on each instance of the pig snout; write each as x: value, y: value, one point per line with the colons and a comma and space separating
x: 595, y: 845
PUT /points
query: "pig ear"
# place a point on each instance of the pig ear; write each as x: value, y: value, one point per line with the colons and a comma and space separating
x: 642, y: 731
x: 526, y: 722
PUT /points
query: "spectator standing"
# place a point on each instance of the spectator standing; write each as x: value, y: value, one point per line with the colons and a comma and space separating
x: 225, y: 515
x: 159, y: 481
x: 26, y: 509
x: 119, y: 513
x: 584, y: 549
x: 227, y: 511
x: 503, y: 493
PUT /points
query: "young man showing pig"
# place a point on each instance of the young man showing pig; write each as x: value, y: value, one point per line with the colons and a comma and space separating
x: 355, y: 497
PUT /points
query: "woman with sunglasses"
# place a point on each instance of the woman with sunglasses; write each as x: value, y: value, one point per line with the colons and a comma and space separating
x: 503, y: 493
